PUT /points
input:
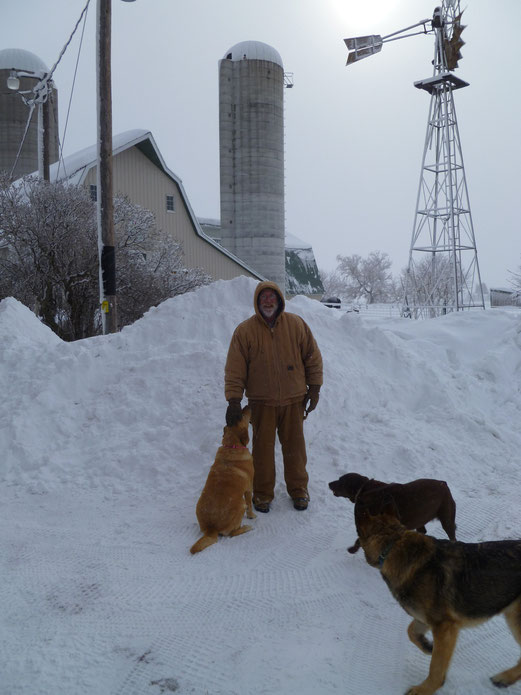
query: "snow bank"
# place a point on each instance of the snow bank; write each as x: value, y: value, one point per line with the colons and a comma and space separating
x: 106, y: 446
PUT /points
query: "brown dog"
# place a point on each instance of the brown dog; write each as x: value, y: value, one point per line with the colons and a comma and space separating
x: 444, y: 587
x: 413, y: 504
x: 228, y: 490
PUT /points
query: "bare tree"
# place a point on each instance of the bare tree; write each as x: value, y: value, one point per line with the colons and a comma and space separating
x: 433, y: 282
x: 366, y: 278
x: 50, y: 233
x: 515, y: 279
x: 150, y: 265
x: 332, y: 283
x: 51, y: 263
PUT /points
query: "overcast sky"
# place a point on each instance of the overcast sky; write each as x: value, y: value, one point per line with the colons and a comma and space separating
x: 353, y: 136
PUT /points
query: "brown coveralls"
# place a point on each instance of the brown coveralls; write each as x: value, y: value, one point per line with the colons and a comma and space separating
x: 274, y: 365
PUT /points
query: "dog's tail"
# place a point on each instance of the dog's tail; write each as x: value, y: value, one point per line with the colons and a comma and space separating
x: 208, y: 539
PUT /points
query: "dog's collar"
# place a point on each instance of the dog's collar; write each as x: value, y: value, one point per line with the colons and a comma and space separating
x: 361, y: 488
x: 385, y: 552
x: 234, y: 446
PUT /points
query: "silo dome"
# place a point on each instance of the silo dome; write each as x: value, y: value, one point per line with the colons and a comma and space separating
x: 253, y: 50
x: 18, y: 59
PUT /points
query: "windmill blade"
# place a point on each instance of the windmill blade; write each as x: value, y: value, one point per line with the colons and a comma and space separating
x: 363, y: 47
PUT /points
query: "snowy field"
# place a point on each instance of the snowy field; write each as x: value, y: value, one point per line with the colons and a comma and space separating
x: 106, y: 444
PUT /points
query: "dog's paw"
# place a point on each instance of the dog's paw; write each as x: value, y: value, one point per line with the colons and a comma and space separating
x: 251, y: 515
x: 420, y: 690
x: 240, y: 530
x: 503, y: 680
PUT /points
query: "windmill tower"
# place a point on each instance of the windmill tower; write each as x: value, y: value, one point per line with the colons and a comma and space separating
x: 443, y: 270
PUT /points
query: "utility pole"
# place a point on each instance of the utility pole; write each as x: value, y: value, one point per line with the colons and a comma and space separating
x: 105, y: 209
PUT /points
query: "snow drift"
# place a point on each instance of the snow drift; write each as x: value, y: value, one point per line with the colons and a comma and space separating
x: 107, y: 443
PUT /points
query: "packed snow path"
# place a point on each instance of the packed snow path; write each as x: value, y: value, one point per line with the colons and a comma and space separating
x: 101, y: 596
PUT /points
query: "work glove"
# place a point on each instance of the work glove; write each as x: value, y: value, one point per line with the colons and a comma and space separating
x: 233, y: 412
x: 311, y: 399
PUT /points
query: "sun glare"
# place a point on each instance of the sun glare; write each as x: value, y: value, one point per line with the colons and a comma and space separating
x: 364, y: 15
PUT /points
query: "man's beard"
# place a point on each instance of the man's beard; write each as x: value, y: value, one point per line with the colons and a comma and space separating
x: 268, y: 313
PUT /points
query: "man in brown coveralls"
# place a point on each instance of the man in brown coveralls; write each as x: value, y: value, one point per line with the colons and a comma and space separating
x: 274, y: 357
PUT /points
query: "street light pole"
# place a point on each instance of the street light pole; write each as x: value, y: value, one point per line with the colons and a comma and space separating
x: 44, y: 170
x: 39, y: 99
x: 105, y: 209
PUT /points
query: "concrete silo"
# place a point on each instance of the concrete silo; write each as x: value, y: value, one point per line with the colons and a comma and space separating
x: 14, y: 113
x: 251, y: 134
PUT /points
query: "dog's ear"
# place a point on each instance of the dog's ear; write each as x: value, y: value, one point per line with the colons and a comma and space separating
x: 243, y: 425
x: 244, y: 436
x: 230, y: 435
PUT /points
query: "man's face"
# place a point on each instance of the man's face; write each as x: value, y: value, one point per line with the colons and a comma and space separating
x: 268, y: 303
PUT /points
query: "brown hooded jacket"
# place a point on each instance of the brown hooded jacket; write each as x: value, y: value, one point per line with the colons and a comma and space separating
x: 275, y: 364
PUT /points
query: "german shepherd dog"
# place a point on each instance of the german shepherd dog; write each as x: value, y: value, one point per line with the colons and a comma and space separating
x: 445, y: 587
x: 227, y: 493
x: 414, y: 504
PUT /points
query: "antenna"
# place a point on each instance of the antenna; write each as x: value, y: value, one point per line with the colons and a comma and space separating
x: 443, y: 271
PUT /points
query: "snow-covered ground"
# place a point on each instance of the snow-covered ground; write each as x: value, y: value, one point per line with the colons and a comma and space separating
x: 106, y: 444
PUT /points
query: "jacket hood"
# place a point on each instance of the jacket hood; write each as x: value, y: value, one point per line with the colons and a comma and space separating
x: 265, y: 286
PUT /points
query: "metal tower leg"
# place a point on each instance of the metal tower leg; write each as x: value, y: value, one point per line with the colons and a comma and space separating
x: 443, y: 271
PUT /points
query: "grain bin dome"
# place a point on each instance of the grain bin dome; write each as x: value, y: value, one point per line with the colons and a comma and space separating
x: 18, y: 59
x: 253, y: 50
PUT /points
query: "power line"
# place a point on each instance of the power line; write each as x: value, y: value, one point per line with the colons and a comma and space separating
x: 43, y: 83
x: 40, y: 90
x: 60, y: 160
